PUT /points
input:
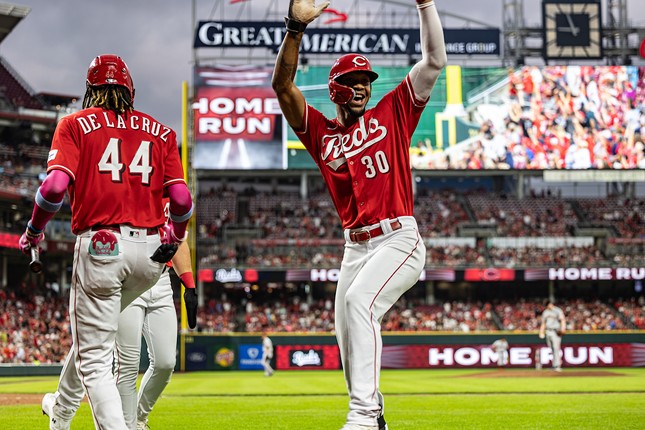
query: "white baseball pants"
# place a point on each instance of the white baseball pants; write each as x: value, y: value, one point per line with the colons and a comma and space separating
x: 373, y: 276
x: 153, y: 314
x: 102, y: 286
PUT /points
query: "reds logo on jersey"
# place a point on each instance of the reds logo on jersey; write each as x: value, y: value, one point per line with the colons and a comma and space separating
x: 336, y: 148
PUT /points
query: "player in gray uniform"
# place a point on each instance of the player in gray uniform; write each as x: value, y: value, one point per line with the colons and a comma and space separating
x: 501, y: 347
x: 553, y: 327
x: 267, y: 354
x: 153, y: 315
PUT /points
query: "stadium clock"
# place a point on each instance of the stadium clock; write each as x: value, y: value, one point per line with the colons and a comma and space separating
x: 572, y: 29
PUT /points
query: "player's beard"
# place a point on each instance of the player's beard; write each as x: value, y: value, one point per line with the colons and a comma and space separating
x: 356, y: 112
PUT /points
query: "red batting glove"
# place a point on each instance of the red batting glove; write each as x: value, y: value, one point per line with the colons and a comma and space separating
x: 30, y: 239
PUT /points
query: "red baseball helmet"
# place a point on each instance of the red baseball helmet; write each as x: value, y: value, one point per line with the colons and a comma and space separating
x: 109, y: 69
x: 342, y: 94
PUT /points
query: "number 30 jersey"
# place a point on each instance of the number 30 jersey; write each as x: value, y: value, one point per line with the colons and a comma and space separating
x: 367, y: 166
x: 119, y: 166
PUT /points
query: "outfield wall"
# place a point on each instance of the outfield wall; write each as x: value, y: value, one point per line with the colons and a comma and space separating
x: 414, y: 351
x: 400, y: 351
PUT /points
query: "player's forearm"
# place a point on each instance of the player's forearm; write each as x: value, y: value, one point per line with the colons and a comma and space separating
x: 181, y: 208
x: 49, y: 199
x: 424, y: 74
x: 286, y: 64
x: 181, y: 262
x: 292, y: 102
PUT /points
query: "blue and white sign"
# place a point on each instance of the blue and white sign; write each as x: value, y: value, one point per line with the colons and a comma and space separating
x: 324, y: 40
x: 251, y: 357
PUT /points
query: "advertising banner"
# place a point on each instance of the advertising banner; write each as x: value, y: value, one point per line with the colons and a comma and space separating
x: 585, y: 274
x: 307, y: 357
x: 196, y: 357
x: 233, y: 275
x: 269, y: 35
x: 8, y: 240
x: 237, y: 119
x: 221, y: 357
x: 476, y: 356
x: 251, y: 357
x: 298, y: 351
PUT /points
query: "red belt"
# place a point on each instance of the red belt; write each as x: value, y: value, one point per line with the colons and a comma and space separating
x: 117, y: 229
x: 365, y: 235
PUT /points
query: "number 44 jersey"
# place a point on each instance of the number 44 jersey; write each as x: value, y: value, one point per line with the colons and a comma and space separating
x: 119, y: 166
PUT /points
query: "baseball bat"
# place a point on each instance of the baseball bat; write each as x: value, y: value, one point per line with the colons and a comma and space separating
x: 35, y: 265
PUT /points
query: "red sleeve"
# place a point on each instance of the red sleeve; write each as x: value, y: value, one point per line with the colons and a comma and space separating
x: 65, y: 151
x: 406, y: 109
x: 173, y: 172
x: 314, y: 120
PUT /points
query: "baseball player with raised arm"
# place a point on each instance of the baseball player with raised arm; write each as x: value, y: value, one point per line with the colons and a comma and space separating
x: 363, y: 155
x: 553, y: 326
x: 116, y: 163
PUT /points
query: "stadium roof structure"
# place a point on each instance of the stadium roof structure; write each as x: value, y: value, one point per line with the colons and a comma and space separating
x: 54, y: 99
x: 10, y: 16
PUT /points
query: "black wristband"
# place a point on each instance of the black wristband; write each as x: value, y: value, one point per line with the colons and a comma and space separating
x: 32, y: 231
x: 294, y: 26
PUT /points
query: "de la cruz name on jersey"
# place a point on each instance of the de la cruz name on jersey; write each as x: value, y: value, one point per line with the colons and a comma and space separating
x: 119, y: 166
x: 369, y: 159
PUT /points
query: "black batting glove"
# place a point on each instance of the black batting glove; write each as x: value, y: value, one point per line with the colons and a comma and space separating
x: 190, y: 299
x: 165, y: 252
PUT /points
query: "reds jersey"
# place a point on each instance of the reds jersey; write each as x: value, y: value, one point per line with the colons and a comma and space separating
x: 118, y: 165
x: 368, y: 160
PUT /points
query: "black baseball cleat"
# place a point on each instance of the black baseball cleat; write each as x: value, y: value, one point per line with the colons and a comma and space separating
x: 382, y: 425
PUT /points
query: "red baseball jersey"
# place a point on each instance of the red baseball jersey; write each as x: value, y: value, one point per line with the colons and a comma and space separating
x: 119, y: 167
x: 367, y: 166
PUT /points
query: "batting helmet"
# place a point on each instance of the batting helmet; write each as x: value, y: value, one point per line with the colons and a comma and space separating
x: 342, y: 94
x: 109, y: 69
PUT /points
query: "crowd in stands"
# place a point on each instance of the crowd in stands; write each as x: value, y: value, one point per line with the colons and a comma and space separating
x: 34, y: 328
x: 574, y: 117
x: 296, y: 315
x: 289, y: 231
x: 634, y: 310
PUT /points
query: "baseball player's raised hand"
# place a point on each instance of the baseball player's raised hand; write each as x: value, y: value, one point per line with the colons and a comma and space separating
x: 30, y: 239
x: 305, y: 11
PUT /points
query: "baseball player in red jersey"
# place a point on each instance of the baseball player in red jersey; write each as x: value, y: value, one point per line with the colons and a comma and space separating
x: 116, y: 163
x: 363, y: 155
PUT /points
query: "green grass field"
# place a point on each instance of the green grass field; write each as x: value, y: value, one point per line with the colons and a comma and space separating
x: 414, y: 399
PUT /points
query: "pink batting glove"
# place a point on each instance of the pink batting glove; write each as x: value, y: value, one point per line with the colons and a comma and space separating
x: 30, y: 239
x: 168, y: 235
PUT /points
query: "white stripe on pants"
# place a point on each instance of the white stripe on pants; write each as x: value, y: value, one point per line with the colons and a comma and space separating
x: 101, y: 287
x: 373, y: 276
